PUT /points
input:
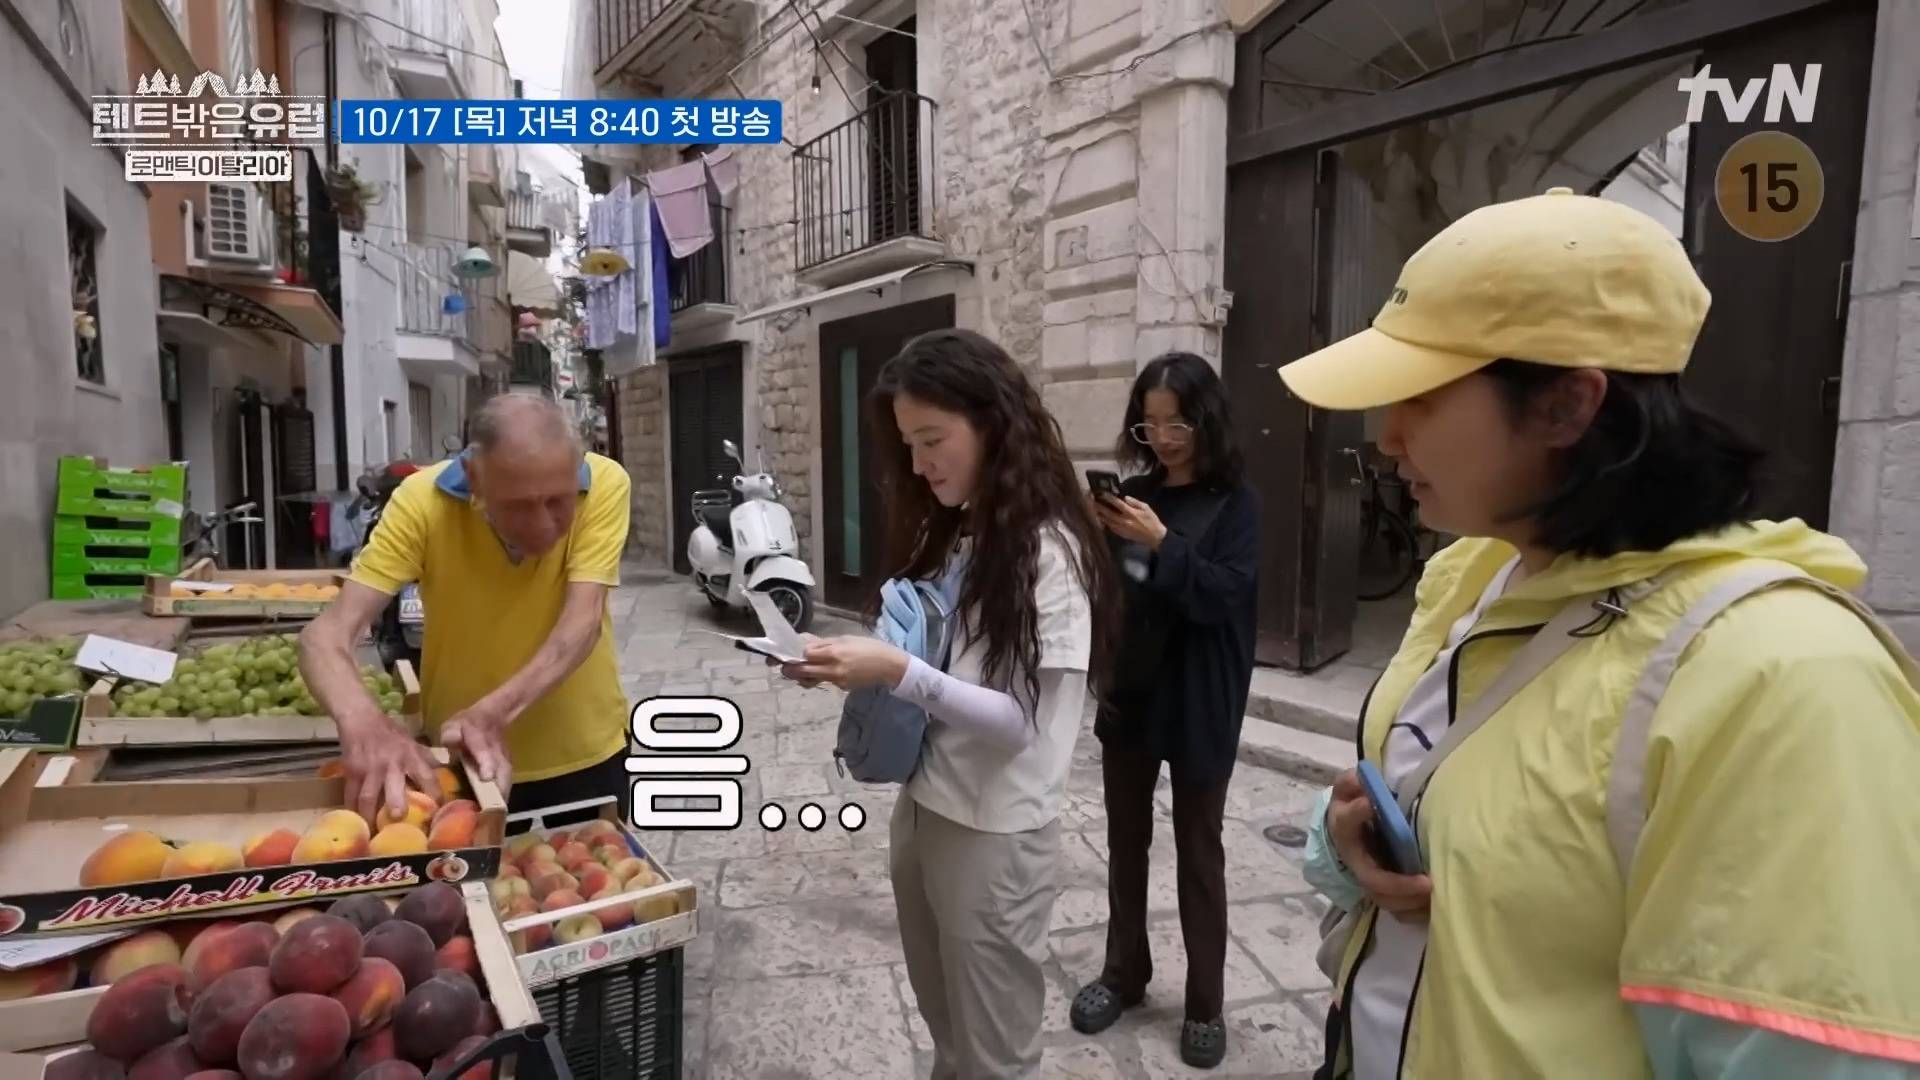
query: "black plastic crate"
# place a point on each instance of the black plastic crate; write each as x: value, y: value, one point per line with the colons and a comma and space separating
x: 532, y: 1050
x: 621, y: 1022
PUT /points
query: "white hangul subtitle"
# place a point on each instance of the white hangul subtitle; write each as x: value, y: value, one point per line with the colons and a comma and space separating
x: 479, y: 120
x: 756, y: 124
x: 723, y: 122
x: 686, y: 122
x: 191, y: 165
x: 698, y: 765
x: 161, y: 122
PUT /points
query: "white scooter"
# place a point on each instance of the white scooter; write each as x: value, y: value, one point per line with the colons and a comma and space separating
x: 743, y: 541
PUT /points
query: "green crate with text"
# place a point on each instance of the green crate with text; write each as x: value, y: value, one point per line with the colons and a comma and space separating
x: 75, y: 531
x: 109, y: 559
x: 97, y: 586
x: 89, y: 486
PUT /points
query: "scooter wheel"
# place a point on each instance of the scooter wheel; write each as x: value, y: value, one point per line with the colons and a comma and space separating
x: 794, y: 601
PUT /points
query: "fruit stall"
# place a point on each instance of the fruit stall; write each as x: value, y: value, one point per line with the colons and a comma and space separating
x: 165, y: 929
x: 203, y: 591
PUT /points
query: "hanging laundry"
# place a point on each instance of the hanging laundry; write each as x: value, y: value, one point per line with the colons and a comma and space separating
x: 626, y: 304
x: 680, y: 202
x: 662, y: 317
x: 602, y: 318
x: 649, y: 284
x: 723, y: 171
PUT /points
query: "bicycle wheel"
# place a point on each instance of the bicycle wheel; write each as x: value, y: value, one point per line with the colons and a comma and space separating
x: 1387, y: 556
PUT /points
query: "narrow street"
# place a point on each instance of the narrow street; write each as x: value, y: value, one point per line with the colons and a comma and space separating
x: 797, y: 972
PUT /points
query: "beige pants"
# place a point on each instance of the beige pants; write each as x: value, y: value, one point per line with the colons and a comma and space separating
x: 974, y: 910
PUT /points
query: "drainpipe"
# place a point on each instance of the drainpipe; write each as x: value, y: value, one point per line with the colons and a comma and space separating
x: 338, y: 351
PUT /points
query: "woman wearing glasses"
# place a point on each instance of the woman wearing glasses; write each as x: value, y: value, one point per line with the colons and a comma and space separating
x: 1186, y: 536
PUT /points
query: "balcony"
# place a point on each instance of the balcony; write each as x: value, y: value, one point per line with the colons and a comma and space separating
x: 865, y: 193
x: 483, y: 175
x: 432, y: 48
x: 530, y: 223
x: 665, y: 44
x: 437, y: 331
x: 697, y: 292
x: 532, y: 366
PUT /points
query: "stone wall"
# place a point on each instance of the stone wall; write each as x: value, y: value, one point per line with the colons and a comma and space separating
x: 643, y: 450
x: 1876, y: 484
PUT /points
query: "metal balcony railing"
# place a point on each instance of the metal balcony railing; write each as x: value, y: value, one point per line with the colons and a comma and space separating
x: 701, y: 278
x: 534, y: 211
x: 433, y: 27
x: 616, y: 23
x: 532, y: 365
x: 867, y: 181
x: 427, y: 280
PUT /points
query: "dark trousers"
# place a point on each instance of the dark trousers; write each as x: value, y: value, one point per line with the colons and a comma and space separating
x: 609, y: 777
x: 1201, y: 868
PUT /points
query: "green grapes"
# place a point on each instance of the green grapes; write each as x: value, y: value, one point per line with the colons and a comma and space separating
x: 257, y: 677
x: 31, y: 670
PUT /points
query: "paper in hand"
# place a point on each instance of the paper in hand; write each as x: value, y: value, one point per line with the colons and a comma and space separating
x: 779, y: 640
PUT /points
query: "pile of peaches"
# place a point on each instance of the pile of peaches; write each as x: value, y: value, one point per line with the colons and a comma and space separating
x: 428, y: 825
x: 371, y: 989
x: 569, y: 867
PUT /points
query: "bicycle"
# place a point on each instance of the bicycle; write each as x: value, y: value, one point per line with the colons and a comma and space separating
x: 203, y: 532
x: 1389, y: 543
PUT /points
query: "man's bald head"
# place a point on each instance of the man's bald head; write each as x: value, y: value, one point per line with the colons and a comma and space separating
x: 525, y: 467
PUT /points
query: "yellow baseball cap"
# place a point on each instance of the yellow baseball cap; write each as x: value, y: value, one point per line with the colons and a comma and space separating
x: 1563, y: 279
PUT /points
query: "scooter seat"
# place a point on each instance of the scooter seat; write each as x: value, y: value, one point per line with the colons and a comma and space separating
x: 719, y: 521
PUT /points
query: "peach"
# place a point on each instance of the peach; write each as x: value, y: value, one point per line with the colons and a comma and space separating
x: 294, y: 918
x: 456, y: 806
x: 453, y: 830
x: 576, y: 928
x: 371, y: 1051
x: 297, y: 1037
x: 332, y: 769
x: 85, y: 1065
x: 222, y: 1011
x: 539, y: 854
x: 372, y: 994
x: 316, y: 956
x: 131, y: 856
x: 363, y: 911
x: 171, y: 1060
x: 558, y: 881
x: 398, y: 839
x: 608, y: 852
x: 142, y: 1011
x: 130, y: 954
x: 436, y: 908
x: 420, y: 811
x: 435, y: 1016
x: 458, y: 955
x: 559, y: 838
x: 614, y: 916
x: 271, y: 848
x: 509, y: 870
x: 216, y: 1074
x: 322, y: 845
x: 404, y: 945
x: 628, y: 868
x: 443, y: 1065
x: 519, y: 845
x: 573, y: 856
x: 203, y: 936
x: 593, y: 881
x: 489, y: 1021
x: 533, y: 938
x: 249, y: 945
x: 449, y: 782
x: 561, y: 898
x: 346, y: 822
x: 52, y: 977
x: 390, y: 1069
x: 202, y: 857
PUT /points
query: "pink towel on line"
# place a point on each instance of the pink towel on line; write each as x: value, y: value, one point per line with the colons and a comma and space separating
x: 680, y: 196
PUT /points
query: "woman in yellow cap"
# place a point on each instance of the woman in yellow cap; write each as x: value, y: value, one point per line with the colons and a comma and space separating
x: 1657, y: 761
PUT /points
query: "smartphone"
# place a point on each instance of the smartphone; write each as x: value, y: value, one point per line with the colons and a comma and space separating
x: 1102, y: 482
x: 1392, y: 839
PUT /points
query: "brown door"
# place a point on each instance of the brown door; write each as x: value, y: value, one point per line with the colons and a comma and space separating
x: 1308, y: 550
x: 1769, y: 358
x: 852, y: 352
x: 704, y: 410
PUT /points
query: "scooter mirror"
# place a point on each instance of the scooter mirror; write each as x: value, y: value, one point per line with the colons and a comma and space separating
x: 732, y: 450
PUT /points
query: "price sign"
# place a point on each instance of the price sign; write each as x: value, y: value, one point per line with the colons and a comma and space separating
x: 50, y: 724
x: 1769, y: 186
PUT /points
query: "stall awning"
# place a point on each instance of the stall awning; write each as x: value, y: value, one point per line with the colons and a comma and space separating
x: 530, y: 286
x: 197, y: 308
x: 876, y: 285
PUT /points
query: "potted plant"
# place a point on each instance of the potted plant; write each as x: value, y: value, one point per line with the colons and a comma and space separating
x: 351, y: 197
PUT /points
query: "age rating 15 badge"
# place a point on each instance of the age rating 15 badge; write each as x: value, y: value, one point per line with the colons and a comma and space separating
x: 1769, y: 186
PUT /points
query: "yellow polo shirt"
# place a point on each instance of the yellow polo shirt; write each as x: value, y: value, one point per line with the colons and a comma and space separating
x: 487, y: 616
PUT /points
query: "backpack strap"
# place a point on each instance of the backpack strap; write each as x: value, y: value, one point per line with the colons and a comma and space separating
x: 1626, y: 778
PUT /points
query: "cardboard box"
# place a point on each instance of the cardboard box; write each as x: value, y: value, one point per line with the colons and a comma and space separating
x: 158, y: 596
x: 51, y: 824
x: 659, y: 931
x: 35, y: 1030
x: 98, y: 727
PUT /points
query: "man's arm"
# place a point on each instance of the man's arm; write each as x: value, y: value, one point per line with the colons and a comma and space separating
x: 326, y: 656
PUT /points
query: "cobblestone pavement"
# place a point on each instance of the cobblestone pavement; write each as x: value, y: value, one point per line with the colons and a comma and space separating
x: 797, y: 971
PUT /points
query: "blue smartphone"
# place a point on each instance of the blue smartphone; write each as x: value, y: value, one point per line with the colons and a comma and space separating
x: 1395, y: 846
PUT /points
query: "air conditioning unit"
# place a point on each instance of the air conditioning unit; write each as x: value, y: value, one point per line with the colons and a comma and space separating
x: 233, y: 230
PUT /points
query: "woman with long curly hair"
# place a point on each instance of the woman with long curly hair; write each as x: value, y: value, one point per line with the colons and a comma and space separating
x: 977, y: 482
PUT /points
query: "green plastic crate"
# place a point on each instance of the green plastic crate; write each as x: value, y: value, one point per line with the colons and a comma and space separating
x: 88, y: 486
x: 75, y: 531
x: 109, y: 559
x: 98, y: 586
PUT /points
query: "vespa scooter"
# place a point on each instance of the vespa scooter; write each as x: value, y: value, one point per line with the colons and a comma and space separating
x: 743, y: 541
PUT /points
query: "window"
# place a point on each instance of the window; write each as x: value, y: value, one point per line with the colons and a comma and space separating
x: 390, y: 427
x: 240, y: 28
x: 83, y: 242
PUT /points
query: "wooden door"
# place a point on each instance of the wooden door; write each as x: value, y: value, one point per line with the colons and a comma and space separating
x: 704, y: 410
x: 852, y: 352
x: 1769, y: 358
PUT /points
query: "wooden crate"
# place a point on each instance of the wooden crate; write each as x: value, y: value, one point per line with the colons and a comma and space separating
x: 159, y: 598
x: 99, y: 728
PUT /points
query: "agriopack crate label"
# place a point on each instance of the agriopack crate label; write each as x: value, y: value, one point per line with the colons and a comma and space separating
x: 132, y: 905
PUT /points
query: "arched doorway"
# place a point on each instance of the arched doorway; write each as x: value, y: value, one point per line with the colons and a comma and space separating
x: 1358, y: 130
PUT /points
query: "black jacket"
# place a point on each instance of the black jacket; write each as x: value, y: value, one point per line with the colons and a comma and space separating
x: 1202, y: 590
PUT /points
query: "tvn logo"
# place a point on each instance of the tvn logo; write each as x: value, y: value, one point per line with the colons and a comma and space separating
x: 1781, y: 88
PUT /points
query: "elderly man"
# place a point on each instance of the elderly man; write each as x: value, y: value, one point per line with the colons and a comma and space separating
x: 514, y: 544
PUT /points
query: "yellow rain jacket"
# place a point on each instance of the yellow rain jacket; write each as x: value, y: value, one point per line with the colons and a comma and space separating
x: 1776, y: 882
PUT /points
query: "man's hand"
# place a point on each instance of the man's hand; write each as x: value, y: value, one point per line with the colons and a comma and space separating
x: 479, y: 731
x: 379, y: 760
x: 849, y: 663
x: 1349, y: 820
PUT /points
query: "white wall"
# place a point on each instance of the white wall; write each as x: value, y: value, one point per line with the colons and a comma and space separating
x: 49, y: 158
